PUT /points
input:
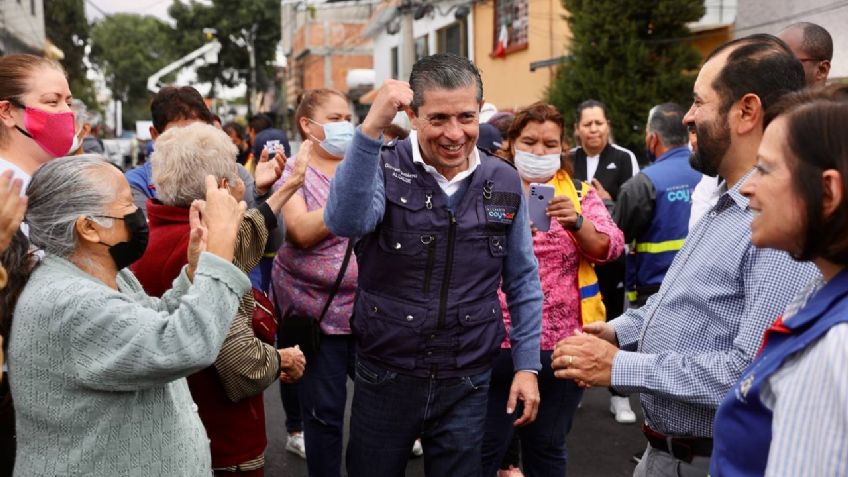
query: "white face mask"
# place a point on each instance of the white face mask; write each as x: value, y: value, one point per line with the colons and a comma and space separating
x: 74, y: 145
x: 533, y: 168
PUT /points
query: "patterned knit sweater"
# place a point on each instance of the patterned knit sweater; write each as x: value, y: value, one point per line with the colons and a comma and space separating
x: 97, y: 374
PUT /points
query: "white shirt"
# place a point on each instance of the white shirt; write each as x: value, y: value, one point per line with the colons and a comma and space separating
x: 592, y: 166
x: 704, y: 197
x: 448, y: 186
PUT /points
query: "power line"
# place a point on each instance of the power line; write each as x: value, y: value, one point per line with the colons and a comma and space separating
x: 100, y: 10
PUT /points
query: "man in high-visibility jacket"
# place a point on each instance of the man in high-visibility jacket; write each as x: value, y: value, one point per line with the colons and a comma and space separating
x: 653, y: 207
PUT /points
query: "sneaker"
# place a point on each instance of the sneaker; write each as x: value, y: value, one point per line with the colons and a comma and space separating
x: 620, y: 406
x: 296, y: 445
x: 417, y: 448
x: 511, y: 472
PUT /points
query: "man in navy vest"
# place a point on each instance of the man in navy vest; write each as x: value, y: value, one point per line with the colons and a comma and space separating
x: 653, y: 207
x: 443, y: 226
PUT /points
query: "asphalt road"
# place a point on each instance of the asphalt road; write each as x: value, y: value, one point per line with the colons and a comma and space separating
x: 597, y: 445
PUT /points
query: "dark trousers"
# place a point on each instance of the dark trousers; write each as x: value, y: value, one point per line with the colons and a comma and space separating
x: 290, y: 396
x: 391, y: 410
x: 543, y: 451
x: 323, y: 395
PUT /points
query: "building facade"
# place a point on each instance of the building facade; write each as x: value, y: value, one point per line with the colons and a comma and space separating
x: 22, y: 27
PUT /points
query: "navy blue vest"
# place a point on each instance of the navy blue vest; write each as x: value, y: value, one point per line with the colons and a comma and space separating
x: 674, y: 181
x: 743, y: 424
x: 427, y: 302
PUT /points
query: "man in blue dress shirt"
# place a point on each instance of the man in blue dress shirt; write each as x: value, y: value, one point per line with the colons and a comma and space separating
x: 689, y: 344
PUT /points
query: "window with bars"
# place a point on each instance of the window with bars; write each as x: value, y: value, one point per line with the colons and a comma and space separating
x: 422, y: 49
x: 453, y: 38
x: 511, y: 15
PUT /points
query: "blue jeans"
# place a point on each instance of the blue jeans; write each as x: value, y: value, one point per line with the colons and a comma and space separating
x: 323, y: 395
x: 543, y: 451
x: 391, y: 410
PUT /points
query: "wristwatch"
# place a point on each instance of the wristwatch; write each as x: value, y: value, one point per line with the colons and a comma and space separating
x: 578, y: 223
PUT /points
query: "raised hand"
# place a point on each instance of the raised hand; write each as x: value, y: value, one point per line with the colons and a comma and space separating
x: 197, y: 237
x: 392, y: 97
x: 295, y: 180
x: 268, y: 171
x: 221, y: 215
x: 12, y: 208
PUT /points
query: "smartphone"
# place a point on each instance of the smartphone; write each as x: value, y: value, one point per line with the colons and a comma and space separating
x: 271, y: 146
x: 540, y: 197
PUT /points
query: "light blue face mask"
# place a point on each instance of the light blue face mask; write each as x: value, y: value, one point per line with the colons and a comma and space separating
x: 337, y: 136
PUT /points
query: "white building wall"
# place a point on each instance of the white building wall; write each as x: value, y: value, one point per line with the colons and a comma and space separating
x: 21, y: 30
x: 429, y: 25
x: 771, y: 16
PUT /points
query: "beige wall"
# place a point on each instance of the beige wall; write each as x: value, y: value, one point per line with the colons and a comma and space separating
x: 508, y: 82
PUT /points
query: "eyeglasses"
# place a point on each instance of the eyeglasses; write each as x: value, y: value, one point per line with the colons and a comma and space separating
x: 817, y: 60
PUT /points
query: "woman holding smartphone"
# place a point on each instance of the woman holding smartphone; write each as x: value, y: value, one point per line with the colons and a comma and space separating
x: 581, y: 233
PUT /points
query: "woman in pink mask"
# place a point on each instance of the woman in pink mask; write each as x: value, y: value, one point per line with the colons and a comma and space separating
x: 36, y: 122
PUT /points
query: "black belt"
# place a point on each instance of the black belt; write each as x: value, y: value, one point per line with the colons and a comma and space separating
x: 681, y: 448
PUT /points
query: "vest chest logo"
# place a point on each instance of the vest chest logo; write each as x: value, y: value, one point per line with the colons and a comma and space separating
x: 680, y: 193
x: 400, y: 174
x: 502, y: 214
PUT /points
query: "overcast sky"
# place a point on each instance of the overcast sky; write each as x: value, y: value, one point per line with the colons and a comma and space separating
x: 157, y: 8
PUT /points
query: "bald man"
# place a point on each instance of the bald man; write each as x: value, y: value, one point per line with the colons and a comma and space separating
x: 813, y: 46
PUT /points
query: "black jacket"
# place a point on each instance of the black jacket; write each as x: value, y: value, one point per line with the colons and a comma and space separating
x: 615, y: 167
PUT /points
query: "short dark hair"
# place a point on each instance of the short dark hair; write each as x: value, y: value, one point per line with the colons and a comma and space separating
x: 443, y: 71
x: 260, y: 122
x: 666, y: 120
x: 502, y: 121
x: 816, y: 42
x: 236, y: 128
x: 173, y: 103
x: 761, y: 64
x: 816, y: 143
x: 589, y: 103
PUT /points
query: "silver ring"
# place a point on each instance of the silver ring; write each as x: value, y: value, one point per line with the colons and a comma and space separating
x: 570, y: 360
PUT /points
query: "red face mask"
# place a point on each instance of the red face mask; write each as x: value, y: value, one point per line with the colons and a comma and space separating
x: 54, y: 132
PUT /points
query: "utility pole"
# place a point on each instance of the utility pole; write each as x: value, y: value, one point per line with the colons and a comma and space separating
x: 251, y: 50
x: 247, y: 41
x: 406, y: 49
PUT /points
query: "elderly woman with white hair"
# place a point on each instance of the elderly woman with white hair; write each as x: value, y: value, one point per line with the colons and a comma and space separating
x: 228, y: 393
x: 95, y: 364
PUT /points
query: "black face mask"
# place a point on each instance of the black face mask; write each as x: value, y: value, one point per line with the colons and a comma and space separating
x: 126, y: 253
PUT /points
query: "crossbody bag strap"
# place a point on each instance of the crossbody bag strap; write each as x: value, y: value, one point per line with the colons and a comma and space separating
x: 339, y: 279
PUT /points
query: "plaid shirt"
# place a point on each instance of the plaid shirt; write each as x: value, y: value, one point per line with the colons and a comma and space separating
x: 689, y: 344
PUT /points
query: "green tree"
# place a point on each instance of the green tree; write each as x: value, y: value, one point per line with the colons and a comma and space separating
x: 630, y: 55
x: 128, y: 49
x: 230, y: 19
x: 68, y: 29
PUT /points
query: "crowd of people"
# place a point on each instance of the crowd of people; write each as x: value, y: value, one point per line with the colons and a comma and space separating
x: 145, y: 313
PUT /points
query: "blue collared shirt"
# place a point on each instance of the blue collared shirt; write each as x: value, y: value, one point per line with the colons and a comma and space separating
x: 689, y: 344
x: 356, y: 205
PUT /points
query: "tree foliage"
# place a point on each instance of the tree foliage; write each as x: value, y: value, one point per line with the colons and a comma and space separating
x: 129, y: 48
x: 630, y: 55
x: 229, y: 19
x: 68, y: 29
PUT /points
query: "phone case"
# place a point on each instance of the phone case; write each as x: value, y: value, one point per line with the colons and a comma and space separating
x: 540, y: 197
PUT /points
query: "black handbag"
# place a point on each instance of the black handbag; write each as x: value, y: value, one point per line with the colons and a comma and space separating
x: 305, y: 331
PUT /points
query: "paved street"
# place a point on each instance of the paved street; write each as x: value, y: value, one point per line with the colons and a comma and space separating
x: 598, y: 446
